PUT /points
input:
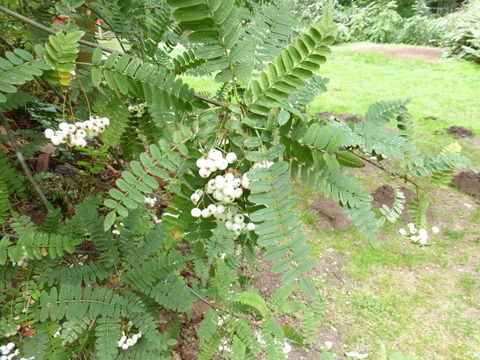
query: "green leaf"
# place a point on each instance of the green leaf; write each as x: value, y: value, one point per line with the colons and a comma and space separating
x: 346, y: 158
x: 253, y: 300
x: 308, y: 288
x: 252, y: 142
x: 109, y: 220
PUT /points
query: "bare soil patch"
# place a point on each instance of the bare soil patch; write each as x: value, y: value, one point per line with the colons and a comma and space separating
x: 330, y: 215
x: 431, y: 54
x: 468, y: 181
x: 385, y: 195
x: 342, y: 117
x: 460, y: 132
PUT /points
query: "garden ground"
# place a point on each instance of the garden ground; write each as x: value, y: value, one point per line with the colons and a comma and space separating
x: 422, y: 302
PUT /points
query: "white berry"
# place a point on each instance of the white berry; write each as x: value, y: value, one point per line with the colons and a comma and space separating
x: 237, y: 192
x: 214, y: 154
x: 231, y: 157
x: 219, y: 182
x: 238, y: 218
x: 49, y: 133
x: 195, y: 198
x: 204, y: 173
x: 229, y: 191
x: 205, y: 213
x: 196, y: 212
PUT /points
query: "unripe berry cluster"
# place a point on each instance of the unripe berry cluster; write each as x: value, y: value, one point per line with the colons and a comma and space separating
x: 137, y: 110
x: 76, y: 134
x: 419, y: 236
x: 125, y: 342
x: 225, y: 189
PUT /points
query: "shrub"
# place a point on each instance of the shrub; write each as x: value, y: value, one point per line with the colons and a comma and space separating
x: 464, y: 38
x: 376, y: 22
x: 203, y: 186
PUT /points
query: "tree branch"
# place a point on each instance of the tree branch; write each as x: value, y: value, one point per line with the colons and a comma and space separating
x: 5, y: 41
x: 14, y: 236
x: 50, y: 31
x: 389, y: 173
x: 93, y: 45
x: 21, y: 159
x: 210, y: 101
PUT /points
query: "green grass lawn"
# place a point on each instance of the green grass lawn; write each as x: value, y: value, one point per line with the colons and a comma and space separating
x: 443, y: 94
x: 421, y: 302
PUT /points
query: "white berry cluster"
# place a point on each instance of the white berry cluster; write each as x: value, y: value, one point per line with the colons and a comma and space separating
x: 8, y: 352
x: 419, y: 236
x: 137, y: 110
x: 225, y: 189
x: 125, y: 342
x: 150, y: 201
x: 76, y: 134
x: 215, y: 161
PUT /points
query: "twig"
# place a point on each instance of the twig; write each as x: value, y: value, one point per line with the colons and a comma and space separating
x: 210, y: 101
x: 93, y: 45
x: 46, y: 29
x: 5, y: 41
x: 210, y: 304
x: 389, y: 173
x: 112, y: 152
x: 15, y: 236
x: 21, y: 159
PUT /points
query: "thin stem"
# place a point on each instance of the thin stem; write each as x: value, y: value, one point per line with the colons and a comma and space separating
x: 14, y: 236
x: 5, y: 41
x: 389, y: 173
x: 210, y: 101
x: 21, y: 159
x: 46, y: 29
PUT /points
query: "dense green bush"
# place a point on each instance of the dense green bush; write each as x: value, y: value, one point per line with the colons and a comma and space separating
x: 462, y: 37
x: 203, y: 184
x: 381, y: 22
x: 377, y: 22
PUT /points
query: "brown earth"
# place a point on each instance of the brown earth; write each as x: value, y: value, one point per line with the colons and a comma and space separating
x: 385, y: 195
x: 426, y: 53
x: 342, y: 117
x: 468, y: 181
x: 460, y: 132
x: 330, y: 214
